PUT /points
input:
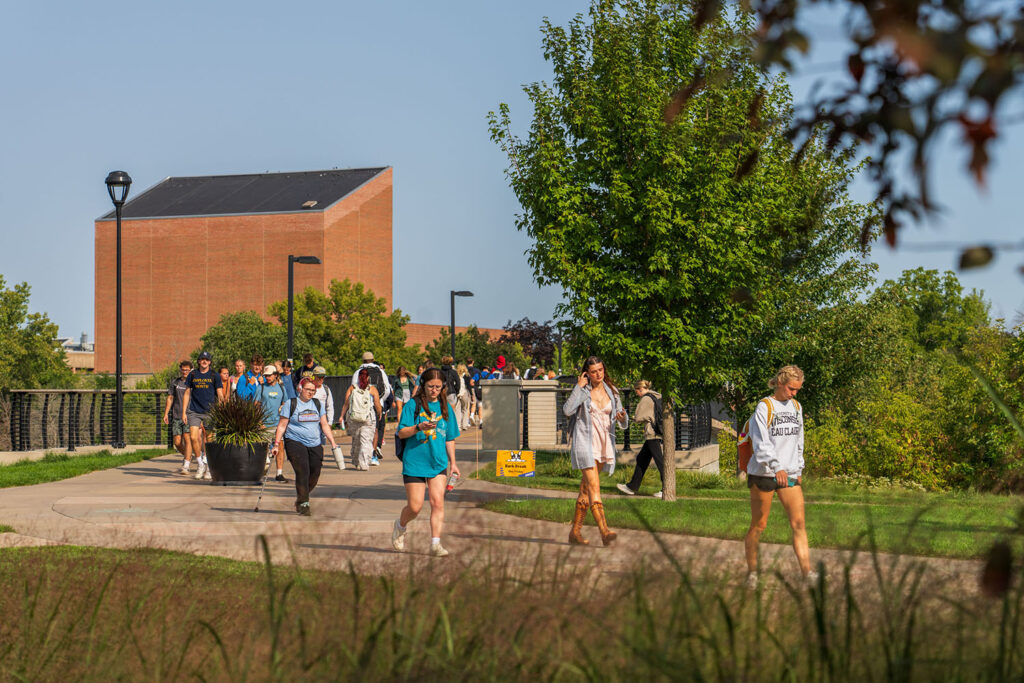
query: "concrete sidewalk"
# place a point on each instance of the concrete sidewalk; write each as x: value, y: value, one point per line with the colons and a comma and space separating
x: 146, y: 504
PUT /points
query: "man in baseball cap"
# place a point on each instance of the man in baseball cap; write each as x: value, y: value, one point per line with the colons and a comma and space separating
x: 272, y: 396
x: 368, y: 356
x: 324, y: 395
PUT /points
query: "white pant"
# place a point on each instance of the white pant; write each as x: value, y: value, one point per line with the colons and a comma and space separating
x: 456, y: 407
x: 363, y: 434
x: 464, y: 412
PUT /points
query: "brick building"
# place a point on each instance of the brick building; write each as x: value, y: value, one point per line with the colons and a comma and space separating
x: 194, y: 248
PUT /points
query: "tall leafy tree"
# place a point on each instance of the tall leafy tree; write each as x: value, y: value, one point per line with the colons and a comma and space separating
x: 242, y: 335
x: 476, y: 345
x: 667, y: 218
x: 30, y: 357
x: 339, y: 325
x: 536, y: 339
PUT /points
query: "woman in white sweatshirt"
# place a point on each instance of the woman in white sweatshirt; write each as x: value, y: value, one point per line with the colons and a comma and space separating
x: 776, y: 466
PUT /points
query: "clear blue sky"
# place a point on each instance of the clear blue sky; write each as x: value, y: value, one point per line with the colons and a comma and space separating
x: 195, y: 88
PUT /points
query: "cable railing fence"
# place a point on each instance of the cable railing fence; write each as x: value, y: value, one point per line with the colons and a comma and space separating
x: 33, y: 419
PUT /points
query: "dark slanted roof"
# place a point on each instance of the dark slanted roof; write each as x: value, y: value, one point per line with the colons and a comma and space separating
x: 243, y: 194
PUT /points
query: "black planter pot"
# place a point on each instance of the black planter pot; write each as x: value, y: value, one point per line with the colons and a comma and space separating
x: 236, y: 464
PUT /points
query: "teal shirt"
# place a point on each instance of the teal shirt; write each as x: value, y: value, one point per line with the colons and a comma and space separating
x: 425, y: 453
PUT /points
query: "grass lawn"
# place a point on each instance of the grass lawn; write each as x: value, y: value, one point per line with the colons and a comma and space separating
x: 946, y: 524
x: 57, y: 466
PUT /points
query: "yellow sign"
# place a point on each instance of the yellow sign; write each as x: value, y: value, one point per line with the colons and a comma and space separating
x: 516, y: 464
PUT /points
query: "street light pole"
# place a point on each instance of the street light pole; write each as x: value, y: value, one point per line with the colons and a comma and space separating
x: 292, y: 260
x: 118, y: 183
x: 451, y: 329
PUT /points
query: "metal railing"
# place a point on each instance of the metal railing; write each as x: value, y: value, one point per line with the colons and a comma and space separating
x: 70, y: 418
x: 693, y: 421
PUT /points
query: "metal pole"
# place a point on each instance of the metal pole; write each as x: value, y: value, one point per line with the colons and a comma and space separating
x: 452, y: 328
x: 119, y: 400
x: 291, y: 303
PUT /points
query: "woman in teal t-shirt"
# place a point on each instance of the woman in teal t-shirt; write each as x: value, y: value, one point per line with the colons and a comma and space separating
x: 429, y: 429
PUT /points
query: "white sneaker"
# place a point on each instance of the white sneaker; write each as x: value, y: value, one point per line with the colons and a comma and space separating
x: 437, y: 550
x: 659, y: 495
x: 374, y: 461
x: 206, y: 474
x: 625, y: 489
x: 398, y: 537
x: 184, y: 470
x: 812, y: 579
x: 362, y: 468
x: 199, y: 471
x: 752, y: 581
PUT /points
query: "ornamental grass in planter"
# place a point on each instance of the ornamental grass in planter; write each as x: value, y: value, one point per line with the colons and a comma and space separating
x: 238, y: 452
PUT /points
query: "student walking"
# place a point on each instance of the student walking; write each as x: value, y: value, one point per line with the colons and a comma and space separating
x: 648, y: 414
x: 360, y: 414
x: 272, y: 396
x: 300, y: 429
x: 379, y: 379
x: 776, y: 433
x: 594, y: 404
x: 405, y: 385
x: 286, y: 379
x: 203, y: 388
x: 250, y: 383
x: 174, y: 411
x: 429, y: 429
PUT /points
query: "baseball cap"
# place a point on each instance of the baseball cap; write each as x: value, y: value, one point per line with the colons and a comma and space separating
x: 500, y: 363
x: 320, y: 371
x: 270, y: 370
x: 367, y: 356
x: 205, y: 355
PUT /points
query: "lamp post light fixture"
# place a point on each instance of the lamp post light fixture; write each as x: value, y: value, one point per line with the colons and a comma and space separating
x: 118, y: 183
x: 292, y: 260
x: 454, y: 293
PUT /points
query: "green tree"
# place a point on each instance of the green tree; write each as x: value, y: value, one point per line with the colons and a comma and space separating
x: 476, y: 345
x: 242, y: 335
x: 337, y: 327
x: 30, y: 357
x: 667, y: 219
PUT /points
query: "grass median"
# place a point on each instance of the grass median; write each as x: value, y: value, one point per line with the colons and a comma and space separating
x: 960, y: 524
x: 137, y: 615
x: 57, y: 466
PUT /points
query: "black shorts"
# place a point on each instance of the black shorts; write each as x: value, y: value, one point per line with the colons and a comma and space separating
x: 766, y: 484
x: 406, y: 479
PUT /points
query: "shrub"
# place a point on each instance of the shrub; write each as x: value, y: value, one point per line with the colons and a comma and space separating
x: 238, y: 422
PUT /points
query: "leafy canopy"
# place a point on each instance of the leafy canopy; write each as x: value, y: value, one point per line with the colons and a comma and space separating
x: 30, y: 357
x: 676, y: 225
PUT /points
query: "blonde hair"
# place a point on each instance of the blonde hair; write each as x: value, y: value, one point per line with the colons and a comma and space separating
x: 785, y: 375
x: 462, y: 369
x: 642, y: 384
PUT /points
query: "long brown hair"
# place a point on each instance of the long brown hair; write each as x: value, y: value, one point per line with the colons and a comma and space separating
x: 421, y: 398
x: 594, y: 360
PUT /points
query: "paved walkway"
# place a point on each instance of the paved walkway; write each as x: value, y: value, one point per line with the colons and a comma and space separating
x: 148, y: 504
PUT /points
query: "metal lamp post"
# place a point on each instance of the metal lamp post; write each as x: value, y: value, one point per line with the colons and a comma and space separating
x: 118, y: 183
x: 292, y: 260
x: 454, y: 294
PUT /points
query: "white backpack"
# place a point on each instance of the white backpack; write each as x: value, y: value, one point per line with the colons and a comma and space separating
x: 360, y: 405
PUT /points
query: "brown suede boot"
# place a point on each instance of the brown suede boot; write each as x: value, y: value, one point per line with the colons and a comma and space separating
x: 607, y: 535
x: 575, y: 537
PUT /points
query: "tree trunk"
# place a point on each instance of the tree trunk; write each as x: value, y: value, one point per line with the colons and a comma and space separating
x: 668, y: 447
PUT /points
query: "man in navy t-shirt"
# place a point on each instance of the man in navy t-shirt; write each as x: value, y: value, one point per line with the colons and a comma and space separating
x: 203, y: 388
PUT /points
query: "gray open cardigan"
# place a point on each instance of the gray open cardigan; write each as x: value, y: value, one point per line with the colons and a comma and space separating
x: 581, y: 455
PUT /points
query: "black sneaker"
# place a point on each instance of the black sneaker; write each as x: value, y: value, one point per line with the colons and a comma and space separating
x: 303, y: 509
x: 376, y: 451
x: 281, y: 478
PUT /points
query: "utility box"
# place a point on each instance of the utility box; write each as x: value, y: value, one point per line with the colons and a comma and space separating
x: 499, y: 411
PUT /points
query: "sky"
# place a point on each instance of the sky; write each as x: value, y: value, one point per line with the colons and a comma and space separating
x: 189, y: 88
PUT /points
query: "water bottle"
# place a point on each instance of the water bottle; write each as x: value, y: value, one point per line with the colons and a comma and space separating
x: 451, y: 481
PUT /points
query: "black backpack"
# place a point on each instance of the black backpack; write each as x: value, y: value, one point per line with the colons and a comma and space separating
x: 451, y: 380
x: 376, y: 378
x: 657, y: 413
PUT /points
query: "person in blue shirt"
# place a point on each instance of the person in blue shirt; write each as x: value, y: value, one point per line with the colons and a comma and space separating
x: 272, y: 395
x: 299, y: 431
x: 429, y: 429
x: 251, y: 382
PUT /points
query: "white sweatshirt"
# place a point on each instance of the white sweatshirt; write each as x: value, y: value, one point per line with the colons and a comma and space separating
x: 779, y: 446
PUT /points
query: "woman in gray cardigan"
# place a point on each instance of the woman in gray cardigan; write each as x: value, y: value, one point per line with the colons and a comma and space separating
x: 595, y: 405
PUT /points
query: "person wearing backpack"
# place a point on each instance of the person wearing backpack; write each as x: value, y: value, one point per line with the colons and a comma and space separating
x: 360, y: 414
x: 453, y: 386
x: 776, y: 432
x: 303, y: 422
x: 648, y: 413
